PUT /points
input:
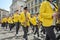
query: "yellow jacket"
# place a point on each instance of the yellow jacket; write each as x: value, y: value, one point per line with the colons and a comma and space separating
x: 2, y: 21
x: 10, y: 20
x: 23, y: 18
x: 39, y: 18
x: 5, y: 20
x: 19, y: 18
x: 16, y: 17
x: 46, y: 13
x: 33, y: 20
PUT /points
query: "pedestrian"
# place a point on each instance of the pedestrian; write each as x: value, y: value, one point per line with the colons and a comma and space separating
x: 57, y: 16
x: 32, y: 22
x: 47, y: 10
x: 10, y: 22
x: 2, y: 23
x: 25, y: 16
x: 58, y: 20
x: 16, y: 21
x: 37, y: 25
x: 4, y: 20
x: 6, y: 23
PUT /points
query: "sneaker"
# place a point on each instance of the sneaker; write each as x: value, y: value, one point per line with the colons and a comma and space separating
x: 10, y: 31
x: 35, y: 35
x: 28, y: 33
x: 16, y: 35
x: 23, y: 39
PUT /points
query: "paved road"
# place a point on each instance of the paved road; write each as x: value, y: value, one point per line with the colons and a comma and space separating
x: 6, y: 35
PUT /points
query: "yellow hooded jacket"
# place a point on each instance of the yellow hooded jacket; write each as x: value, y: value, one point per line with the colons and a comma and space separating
x: 23, y: 18
x: 46, y: 13
x: 2, y: 21
x: 5, y: 20
x: 10, y: 20
x: 33, y: 20
x: 16, y: 17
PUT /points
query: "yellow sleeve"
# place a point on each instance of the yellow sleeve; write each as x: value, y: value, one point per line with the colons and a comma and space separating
x: 30, y: 20
x: 22, y: 17
x: 40, y: 18
x: 34, y: 19
x: 19, y: 18
x: 43, y: 13
x: 2, y: 21
x: 28, y: 15
x: 8, y: 20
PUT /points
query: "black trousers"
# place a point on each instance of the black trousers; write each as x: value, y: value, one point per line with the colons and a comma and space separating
x: 17, y: 24
x: 6, y: 25
x: 57, y: 27
x: 50, y: 35
x: 25, y: 29
x: 3, y: 24
x: 33, y: 28
x: 11, y: 26
x: 37, y: 30
x: 58, y: 37
x: 43, y: 29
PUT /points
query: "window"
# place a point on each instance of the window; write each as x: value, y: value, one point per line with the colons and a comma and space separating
x: 29, y: 11
x: 36, y: 1
x: 28, y: 5
x: 40, y: 1
x: 32, y: 3
x: 54, y: 0
x: 14, y: 0
x: 32, y: 11
x: 12, y: 9
x: 35, y: 9
x: 38, y: 8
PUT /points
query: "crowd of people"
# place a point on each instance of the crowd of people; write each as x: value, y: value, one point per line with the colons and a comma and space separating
x: 48, y: 17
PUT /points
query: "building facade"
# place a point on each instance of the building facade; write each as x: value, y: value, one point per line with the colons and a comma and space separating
x: 17, y: 5
x: 34, y: 5
x: 58, y: 2
x: 3, y: 13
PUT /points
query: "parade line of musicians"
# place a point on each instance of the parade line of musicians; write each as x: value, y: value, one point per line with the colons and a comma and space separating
x: 48, y: 17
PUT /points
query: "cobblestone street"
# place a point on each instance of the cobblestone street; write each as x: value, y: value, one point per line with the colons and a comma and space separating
x: 6, y: 35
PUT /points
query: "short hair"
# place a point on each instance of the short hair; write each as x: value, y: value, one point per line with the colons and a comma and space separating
x: 25, y: 8
x: 16, y: 10
x: 47, y: 0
